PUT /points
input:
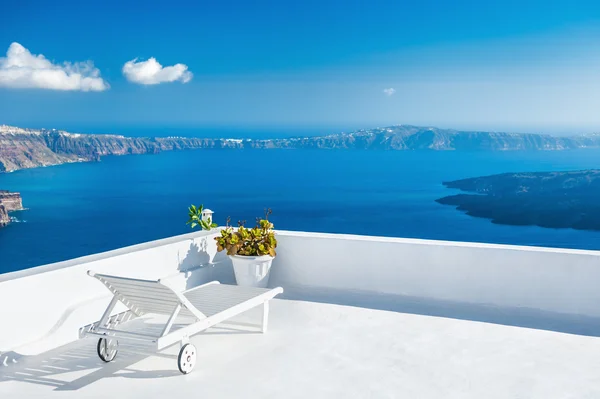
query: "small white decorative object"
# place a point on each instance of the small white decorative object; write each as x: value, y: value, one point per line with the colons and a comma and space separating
x: 252, y: 271
x: 207, y: 215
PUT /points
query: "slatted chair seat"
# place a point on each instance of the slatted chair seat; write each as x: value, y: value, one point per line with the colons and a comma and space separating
x: 216, y: 298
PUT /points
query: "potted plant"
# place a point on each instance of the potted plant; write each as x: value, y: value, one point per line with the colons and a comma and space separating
x: 251, y: 250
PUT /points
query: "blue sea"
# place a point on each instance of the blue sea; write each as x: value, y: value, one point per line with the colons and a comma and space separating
x: 84, y: 208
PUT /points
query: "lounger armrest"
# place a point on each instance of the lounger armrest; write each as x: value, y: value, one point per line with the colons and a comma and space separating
x: 164, y: 280
x: 200, y: 286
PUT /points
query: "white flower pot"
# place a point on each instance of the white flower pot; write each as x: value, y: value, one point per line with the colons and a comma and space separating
x: 252, y: 271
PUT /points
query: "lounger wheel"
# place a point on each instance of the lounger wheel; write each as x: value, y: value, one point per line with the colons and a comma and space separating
x: 187, y: 358
x: 107, y: 349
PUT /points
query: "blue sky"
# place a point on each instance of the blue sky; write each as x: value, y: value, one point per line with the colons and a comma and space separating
x: 512, y: 65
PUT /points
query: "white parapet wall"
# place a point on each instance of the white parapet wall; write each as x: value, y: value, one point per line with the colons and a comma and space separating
x: 548, y: 279
x: 43, y: 307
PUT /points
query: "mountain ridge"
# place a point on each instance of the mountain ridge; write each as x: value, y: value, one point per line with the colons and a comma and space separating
x: 22, y: 148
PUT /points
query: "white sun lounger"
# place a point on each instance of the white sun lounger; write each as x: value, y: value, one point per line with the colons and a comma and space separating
x: 206, y: 305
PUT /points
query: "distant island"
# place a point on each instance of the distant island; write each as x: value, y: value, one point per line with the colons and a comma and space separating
x: 553, y: 199
x: 9, y: 202
x: 29, y: 148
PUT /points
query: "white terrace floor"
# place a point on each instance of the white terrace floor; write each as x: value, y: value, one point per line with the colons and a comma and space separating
x: 315, y: 350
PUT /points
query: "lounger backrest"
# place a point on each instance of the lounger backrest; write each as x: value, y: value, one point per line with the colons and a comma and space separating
x: 141, y: 296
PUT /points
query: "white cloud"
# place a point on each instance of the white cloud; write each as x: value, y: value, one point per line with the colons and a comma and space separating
x: 22, y: 70
x: 389, y: 92
x: 150, y: 72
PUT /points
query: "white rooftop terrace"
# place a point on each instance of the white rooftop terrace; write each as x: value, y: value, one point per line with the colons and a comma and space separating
x: 359, y: 317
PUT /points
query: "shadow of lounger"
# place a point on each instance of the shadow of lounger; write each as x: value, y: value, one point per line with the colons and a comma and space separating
x: 80, y: 357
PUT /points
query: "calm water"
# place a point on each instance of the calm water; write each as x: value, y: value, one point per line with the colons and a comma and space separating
x: 79, y: 209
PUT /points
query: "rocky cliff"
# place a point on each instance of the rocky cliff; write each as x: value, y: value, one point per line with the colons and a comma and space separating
x: 27, y: 148
x: 9, y: 202
x: 406, y: 137
x: 4, y: 219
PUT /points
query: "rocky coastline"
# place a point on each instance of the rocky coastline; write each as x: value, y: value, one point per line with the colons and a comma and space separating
x: 546, y: 199
x: 9, y: 202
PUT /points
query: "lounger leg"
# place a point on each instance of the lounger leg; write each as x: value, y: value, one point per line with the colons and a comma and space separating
x: 106, y: 316
x: 265, y: 319
x: 169, y: 324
